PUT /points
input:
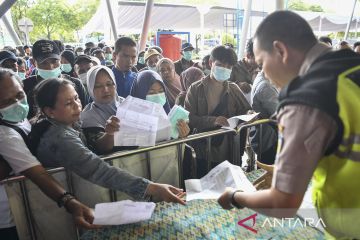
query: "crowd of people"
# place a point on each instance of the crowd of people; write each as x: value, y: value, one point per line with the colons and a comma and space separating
x: 58, y: 105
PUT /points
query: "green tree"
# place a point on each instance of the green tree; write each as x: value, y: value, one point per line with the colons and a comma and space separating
x: 54, y: 19
x: 299, y: 5
x: 18, y: 11
x: 48, y: 17
x: 228, y: 38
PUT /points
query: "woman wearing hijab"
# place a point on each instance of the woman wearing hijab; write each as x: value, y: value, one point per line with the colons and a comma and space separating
x: 67, y: 63
x: 98, y: 119
x: 149, y: 86
x: 188, y: 77
x: 166, y: 68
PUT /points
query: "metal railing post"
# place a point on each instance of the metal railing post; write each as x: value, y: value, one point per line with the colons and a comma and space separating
x: 25, y: 197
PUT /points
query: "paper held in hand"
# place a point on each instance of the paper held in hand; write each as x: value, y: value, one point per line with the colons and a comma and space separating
x: 142, y: 123
x: 123, y: 212
x: 234, y: 121
x: 213, y: 184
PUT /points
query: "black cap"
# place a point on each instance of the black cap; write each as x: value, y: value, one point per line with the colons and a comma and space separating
x: 5, y: 55
x: 83, y: 58
x: 44, y: 49
x: 187, y: 47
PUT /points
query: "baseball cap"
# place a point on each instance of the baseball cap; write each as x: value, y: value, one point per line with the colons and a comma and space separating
x: 150, y: 53
x: 44, y: 49
x: 5, y: 55
x: 187, y: 46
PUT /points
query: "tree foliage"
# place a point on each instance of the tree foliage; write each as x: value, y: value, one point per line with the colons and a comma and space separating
x: 299, y: 5
x: 54, y: 19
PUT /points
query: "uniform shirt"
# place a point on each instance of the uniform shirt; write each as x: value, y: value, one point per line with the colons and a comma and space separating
x: 304, y: 135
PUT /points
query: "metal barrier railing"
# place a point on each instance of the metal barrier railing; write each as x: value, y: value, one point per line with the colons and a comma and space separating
x: 117, y: 155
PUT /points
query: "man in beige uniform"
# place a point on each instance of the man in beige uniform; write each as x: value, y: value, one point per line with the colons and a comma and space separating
x: 304, y: 132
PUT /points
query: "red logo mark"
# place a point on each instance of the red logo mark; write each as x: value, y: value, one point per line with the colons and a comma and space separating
x: 253, y: 217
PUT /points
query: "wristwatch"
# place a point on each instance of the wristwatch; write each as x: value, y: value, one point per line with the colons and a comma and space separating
x: 64, y: 199
x: 233, y: 202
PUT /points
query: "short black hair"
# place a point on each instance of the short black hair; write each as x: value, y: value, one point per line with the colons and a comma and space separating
x: 224, y: 54
x: 89, y: 45
x: 287, y: 27
x: 101, y: 45
x: 124, y: 41
x: 250, y: 47
x: 356, y: 44
x: 325, y: 39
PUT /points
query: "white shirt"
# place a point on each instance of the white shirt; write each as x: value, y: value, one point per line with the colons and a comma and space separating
x: 14, y: 150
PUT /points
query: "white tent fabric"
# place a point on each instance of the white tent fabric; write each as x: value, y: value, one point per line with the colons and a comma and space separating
x: 183, y: 17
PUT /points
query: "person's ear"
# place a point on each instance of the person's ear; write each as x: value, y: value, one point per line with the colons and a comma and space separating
x: 49, y: 112
x: 282, y: 51
x: 210, y: 63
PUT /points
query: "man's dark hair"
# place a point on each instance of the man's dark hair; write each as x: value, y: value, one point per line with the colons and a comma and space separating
x: 325, y: 39
x: 89, y: 45
x: 356, y: 44
x: 287, y: 27
x: 224, y: 54
x: 250, y: 48
x: 97, y: 51
x: 101, y: 45
x: 124, y: 41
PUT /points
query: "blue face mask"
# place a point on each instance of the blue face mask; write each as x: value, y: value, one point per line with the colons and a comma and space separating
x: 16, y: 112
x: 159, y: 98
x: 22, y: 75
x: 220, y: 73
x: 187, y: 55
x: 141, y: 60
x: 66, y: 67
x: 46, y: 74
x: 108, y: 56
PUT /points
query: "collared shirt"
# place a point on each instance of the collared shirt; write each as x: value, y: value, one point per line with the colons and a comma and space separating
x: 124, y: 81
x: 304, y: 135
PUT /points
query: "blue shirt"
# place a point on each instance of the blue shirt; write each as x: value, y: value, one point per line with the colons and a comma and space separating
x: 124, y: 81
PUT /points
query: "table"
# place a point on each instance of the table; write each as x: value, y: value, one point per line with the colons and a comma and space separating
x: 203, y: 219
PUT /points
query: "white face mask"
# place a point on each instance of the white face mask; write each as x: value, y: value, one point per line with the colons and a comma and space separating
x: 83, y: 78
x: 220, y: 73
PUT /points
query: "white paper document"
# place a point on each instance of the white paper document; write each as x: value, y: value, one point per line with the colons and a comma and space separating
x: 142, y: 123
x: 234, y: 121
x: 123, y: 212
x: 213, y: 184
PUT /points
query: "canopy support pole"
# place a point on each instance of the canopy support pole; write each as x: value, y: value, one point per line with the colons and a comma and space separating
x: 112, y: 22
x: 349, y: 22
x: 146, y: 24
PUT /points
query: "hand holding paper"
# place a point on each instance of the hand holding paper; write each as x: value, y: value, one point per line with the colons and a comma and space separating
x: 177, y: 113
x: 212, y: 185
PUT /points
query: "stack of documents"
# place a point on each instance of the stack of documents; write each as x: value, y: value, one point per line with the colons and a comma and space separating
x: 213, y: 184
x: 123, y: 212
x: 142, y: 123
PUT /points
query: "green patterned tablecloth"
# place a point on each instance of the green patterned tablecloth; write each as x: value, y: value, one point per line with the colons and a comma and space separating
x: 202, y: 219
